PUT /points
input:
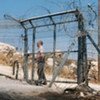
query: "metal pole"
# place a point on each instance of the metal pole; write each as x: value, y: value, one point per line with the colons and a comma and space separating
x: 33, y: 53
x: 25, y: 55
x: 82, y: 53
x: 94, y: 44
x: 99, y: 40
x: 54, y: 46
x: 51, y: 15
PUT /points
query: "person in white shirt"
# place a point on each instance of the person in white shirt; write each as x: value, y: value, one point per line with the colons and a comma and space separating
x: 40, y: 57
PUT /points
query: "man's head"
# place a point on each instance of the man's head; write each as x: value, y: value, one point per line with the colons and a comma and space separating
x: 39, y: 43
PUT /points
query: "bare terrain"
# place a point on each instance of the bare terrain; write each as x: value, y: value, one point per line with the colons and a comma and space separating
x: 11, y: 89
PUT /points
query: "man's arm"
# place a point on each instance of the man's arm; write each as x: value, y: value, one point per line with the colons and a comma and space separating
x: 40, y: 56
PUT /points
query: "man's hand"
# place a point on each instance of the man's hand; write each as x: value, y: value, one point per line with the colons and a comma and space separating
x: 40, y: 56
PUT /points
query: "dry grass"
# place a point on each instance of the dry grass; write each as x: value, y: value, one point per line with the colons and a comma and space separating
x: 64, y: 73
x: 4, y: 59
x: 7, y: 58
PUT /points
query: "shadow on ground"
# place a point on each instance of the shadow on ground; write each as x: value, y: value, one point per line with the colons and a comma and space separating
x: 45, y: 96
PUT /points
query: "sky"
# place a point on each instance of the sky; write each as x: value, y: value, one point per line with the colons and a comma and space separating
x: 27, y: 8
x: 20, y: 8
x: 23, y: 9
x: 16, y: 7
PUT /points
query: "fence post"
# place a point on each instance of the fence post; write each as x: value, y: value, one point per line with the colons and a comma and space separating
x: 99, y: 40
x: 25, y: 67
x: 82, y: 75
x: 54, y: 46
x: 33, y: 53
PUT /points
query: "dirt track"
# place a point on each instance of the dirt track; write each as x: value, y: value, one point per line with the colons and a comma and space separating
x: 45, y: 96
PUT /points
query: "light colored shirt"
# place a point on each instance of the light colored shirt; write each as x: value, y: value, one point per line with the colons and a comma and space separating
x: 40, y: 54
x: 41, y: 49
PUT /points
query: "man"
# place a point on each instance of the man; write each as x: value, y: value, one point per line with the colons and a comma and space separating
x: 41, y: 63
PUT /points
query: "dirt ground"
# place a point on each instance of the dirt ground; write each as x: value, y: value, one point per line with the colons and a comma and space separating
x: 45, y: 96
x: 20, y: 90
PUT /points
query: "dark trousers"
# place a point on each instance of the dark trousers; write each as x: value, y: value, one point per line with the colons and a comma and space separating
x: 41, y: 75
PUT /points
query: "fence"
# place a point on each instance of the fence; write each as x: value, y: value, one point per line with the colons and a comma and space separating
x: 64, y: 42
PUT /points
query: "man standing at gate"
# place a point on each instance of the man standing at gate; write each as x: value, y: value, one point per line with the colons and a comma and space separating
x: 40, y: 57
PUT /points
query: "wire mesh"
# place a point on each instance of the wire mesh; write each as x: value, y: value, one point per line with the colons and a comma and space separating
x: 65, y: 34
